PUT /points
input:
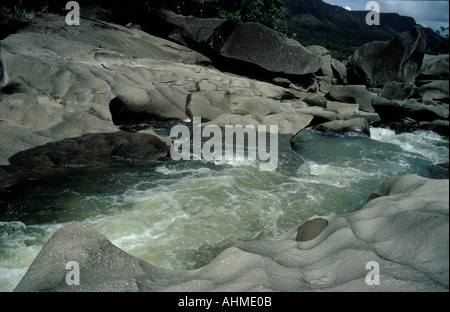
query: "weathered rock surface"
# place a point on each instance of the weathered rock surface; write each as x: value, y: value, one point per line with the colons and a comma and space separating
x: 404, y: 228
x: 353, y: 94
x: 435, y: 90
x: 394, y: 90
x: 399, y: 59
x: 88, y: 152
x: 99, y: 75
x: 355, y: 125
x: 391, y: 110
x: 250, y: 43
x: 435, y: 67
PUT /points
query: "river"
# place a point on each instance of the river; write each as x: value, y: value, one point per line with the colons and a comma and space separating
x: 181, y: 214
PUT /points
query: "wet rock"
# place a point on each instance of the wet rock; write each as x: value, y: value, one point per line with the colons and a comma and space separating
x: 88, y: 152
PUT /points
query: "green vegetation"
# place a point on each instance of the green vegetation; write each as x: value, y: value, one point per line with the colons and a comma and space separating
x: 442, y: 45
x: 270, y: 13
x: 20, y: 12
x: 311, y: 22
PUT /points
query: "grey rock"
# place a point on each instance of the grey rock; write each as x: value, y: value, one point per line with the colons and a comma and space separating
x: 250, y: 43
x: 325, y: 56
x: 100, y: 75
x: 436, y: 90
x: 391, y: 110
x: 339, y: 71
x: 343, y: 108
x: 353, y: 94
x: 89, y: 152
x: 394, y: 90
x: 435, y: 67
x: 378, y: 62
x: 354, y: 125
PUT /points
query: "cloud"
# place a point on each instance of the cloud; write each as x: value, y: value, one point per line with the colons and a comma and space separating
x: 348, y: 8
x: 427, y: 13
x: 421, y: 11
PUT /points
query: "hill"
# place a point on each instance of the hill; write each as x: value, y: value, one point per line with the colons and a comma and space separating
x: 314, y: 22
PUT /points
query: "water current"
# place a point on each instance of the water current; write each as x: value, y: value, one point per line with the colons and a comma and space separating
x: 181, y: 214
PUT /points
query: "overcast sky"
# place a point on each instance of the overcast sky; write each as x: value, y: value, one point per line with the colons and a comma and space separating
x: 427, y: 13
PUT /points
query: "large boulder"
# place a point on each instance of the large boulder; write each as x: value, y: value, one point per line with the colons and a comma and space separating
x: 403, y: 230
x: 435, y: 67
x: 378, y: 62
x: 435, y: 89
x: 89, y: 152
x: 251, y: 45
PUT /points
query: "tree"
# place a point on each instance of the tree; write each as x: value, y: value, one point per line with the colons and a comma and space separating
x: 270, y: 13
x: 443, y: 44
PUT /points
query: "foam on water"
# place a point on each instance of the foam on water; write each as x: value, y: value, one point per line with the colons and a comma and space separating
x: 417, y: 142
x: 180, y: 215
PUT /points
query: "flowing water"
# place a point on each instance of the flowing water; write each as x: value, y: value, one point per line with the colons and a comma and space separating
x: 181, y: 214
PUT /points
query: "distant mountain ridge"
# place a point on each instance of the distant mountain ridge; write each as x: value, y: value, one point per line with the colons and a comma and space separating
x: 314, y: 22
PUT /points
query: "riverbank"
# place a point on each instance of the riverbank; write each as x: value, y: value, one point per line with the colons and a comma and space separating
x: 402, y: 231
x: 76, y: 104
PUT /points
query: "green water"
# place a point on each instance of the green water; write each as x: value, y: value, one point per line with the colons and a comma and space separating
x: 180, y: 215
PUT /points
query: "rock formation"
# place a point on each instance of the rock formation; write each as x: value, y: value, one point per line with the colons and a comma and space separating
x: 399, y: 59
x: 68, y: 91
x: 403, y: 228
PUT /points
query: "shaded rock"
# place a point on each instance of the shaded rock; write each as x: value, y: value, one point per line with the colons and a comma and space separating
x: 90, y: 151
x: 353, y: 94
x: 311, y: 229
x: 436, y: 90
x: 439, y: 126
x: 394, y: 90
x: 391, y: 110
x: 247, y: 43
x: 339, y: 71
x: 331, y: 67
x: 269, y: 49
x: 324, y: 54
x: 404, y: 228
x: 435, y: 67
x: 439, y: 171
x: 354, y: 125
x: 378, y: 62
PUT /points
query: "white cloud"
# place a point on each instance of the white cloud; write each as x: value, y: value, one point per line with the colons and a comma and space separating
x: 427, y: 13
x: 348, y: 8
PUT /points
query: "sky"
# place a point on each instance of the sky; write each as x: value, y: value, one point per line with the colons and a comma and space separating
x: 427, y: 13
